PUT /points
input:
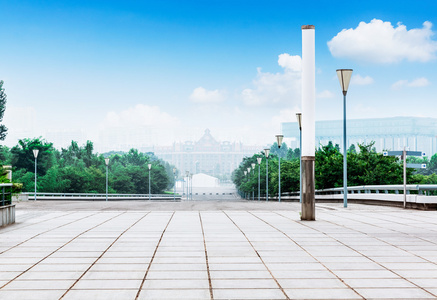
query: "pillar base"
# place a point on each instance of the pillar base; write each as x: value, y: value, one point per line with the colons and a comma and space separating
x: 308, y: 189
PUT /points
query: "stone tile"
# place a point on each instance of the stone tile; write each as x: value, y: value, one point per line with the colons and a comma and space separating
x: 270, y: 294
x: 191, y: 294
x: 119, y: 267
x: 417, y: 273
x: 60, y: 267
x: 178, y: 267
x: 31, y: 294
x: 296, y: 266
x: 100, y: 294
x: 240, y: 274
x: 107, y: 284
x: 177, y: 275
x: 244, y: 284
x: 322, y: 294
x: 50, y: 275
x: 375, y: 274
x: 237, y: 267
x: 176, y: 284
x: 114, y: 275
x: 322, y: 274
x: 425, y: 282
x: 311, y: 283
x: 6, y: 276
x: 395, y: 293
x: 378, y: 283
x: 39, y: 284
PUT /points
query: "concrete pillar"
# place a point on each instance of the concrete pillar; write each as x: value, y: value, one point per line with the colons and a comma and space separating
x: 308, y: 123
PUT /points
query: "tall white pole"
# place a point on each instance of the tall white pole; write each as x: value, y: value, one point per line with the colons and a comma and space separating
x: 308, y: 123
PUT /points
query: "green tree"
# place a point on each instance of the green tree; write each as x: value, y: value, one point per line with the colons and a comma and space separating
x: 23, y: 158
x: 3, y: 97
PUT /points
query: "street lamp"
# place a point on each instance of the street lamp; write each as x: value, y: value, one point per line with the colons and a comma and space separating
x: 253, y: 191
x: 191, y: 187
x: 344, y: 76
x: 187, y: 173
x: 174, y: 185
x: 299, y: 122
x: 259, y: 159
x: 35, y: 154
x: 245, y: 173
x: 279, y: 138
x: 150, y: 166
x: 267, y: 151
x: 107, y: 163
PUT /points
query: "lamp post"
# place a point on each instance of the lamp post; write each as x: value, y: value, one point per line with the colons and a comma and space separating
x: 299, y: 122
x: 279, y: 138
x: 248, y: 178
x: 344, y: 76
x: 35, y: 154
x: 245, y: 173
x: 107, y: 163
x: 267, y: 151
x: 150, y: 166
x: 191, y: 187
x: 253, y: 191
x: 186, y: 174
x: 174, y: 186
x: 258, y: 159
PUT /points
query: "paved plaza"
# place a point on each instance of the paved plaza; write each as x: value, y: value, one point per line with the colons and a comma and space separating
x: 217, y: 250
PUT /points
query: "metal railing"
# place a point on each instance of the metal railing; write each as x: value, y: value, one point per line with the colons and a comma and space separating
x: 6, y: 196
x: 369, y: 189
x: 99, y: 197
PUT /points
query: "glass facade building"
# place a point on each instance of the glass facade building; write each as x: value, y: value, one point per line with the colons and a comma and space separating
x: 417, y: 134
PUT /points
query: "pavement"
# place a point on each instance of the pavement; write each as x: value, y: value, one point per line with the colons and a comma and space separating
x: 217, y: 250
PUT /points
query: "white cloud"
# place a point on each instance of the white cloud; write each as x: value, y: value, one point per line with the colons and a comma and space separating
x: 381, y: 42
x: 201, y: 95
x: 325, y: 94
x: 418, y: 82
x: 282, y: 87
x: 140, y: 115
x: 293, y: 63
x: 359, y: 80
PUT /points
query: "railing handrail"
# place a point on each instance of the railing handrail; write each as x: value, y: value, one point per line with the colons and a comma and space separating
x: 92, y: 195
x: 391, y: 187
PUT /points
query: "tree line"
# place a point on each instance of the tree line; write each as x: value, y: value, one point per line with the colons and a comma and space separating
x: 365, y: 166
x: 78, y: 169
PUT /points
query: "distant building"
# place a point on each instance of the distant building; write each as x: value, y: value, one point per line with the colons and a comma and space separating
x: 417, y: 134
x: 206, y: 155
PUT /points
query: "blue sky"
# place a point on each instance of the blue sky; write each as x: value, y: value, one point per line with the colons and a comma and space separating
x: 175, y: 68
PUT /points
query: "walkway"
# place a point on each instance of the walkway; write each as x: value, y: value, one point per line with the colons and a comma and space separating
x: 240, y: 250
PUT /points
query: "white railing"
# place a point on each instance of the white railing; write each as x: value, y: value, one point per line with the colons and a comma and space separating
x: 98, y: 197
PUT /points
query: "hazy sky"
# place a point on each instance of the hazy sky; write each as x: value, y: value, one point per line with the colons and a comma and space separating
x: 179, y: 67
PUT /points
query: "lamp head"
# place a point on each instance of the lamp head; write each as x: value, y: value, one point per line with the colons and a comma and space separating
x: 279, y: 138
x: 299, y: 120
x: 259, y: 159
x: 107, y: 161
x: 266, y: 152
x: 35, y: 153
x: 344, y: 76
x: 150, y: 166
